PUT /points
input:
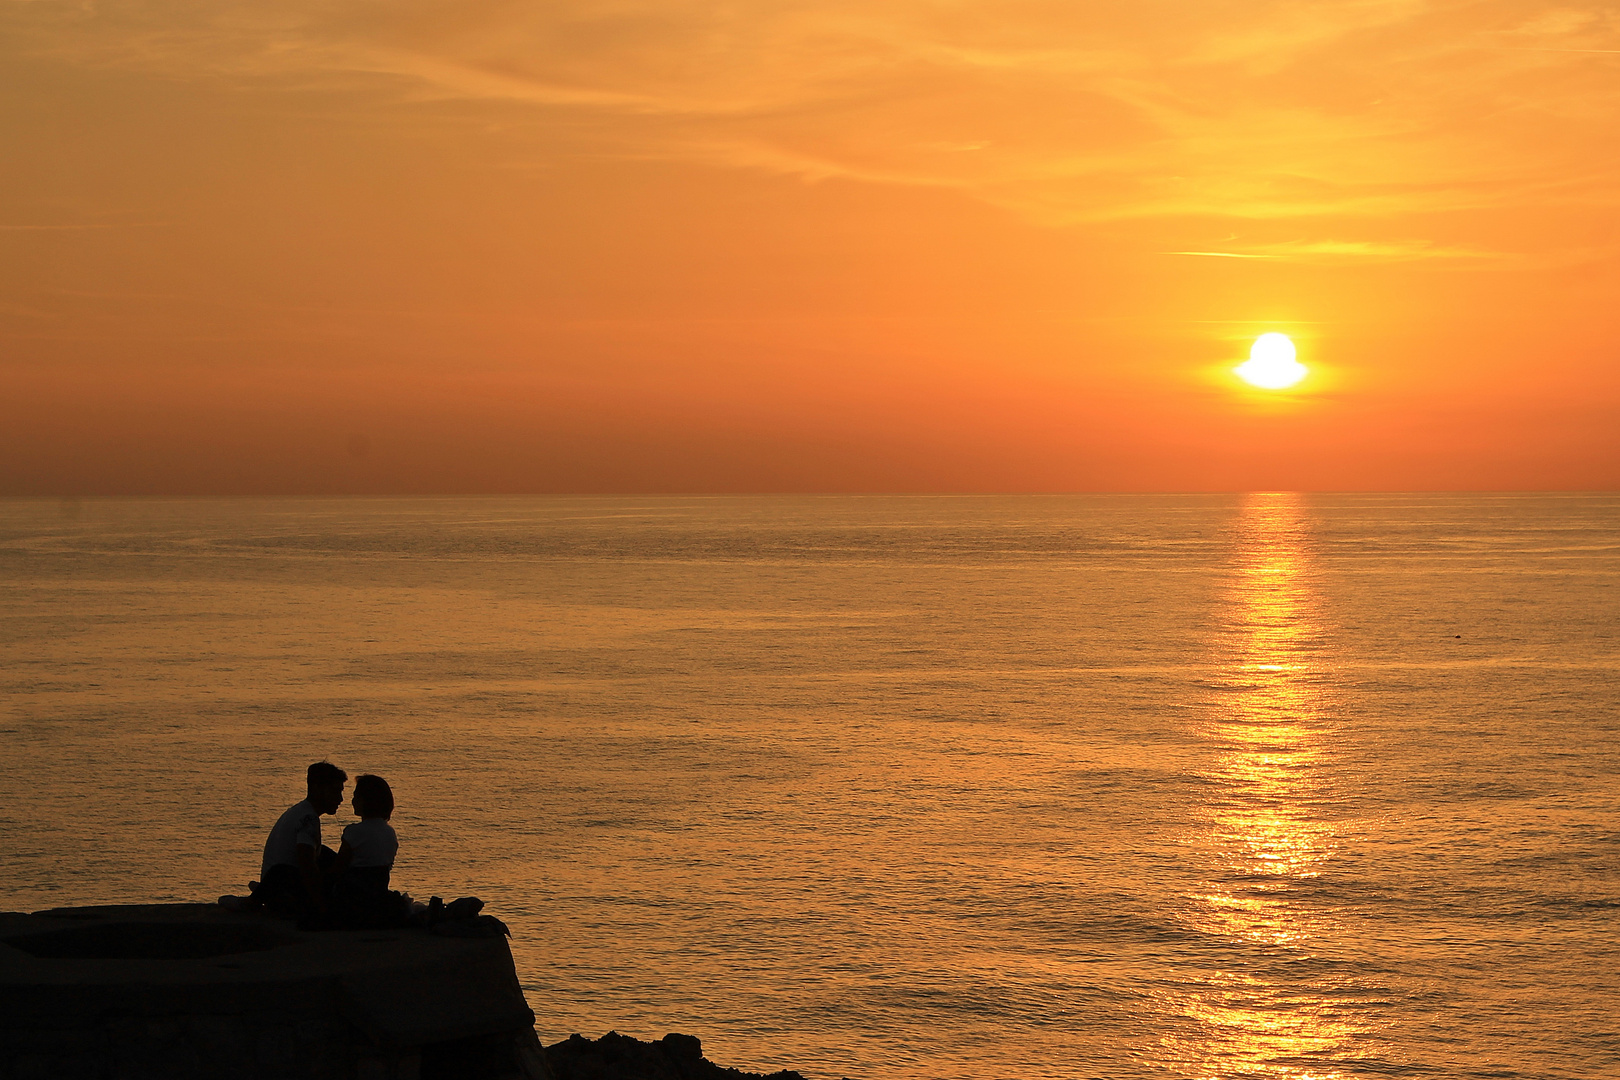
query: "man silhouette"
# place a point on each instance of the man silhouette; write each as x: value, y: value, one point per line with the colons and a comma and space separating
x: 291, y: 878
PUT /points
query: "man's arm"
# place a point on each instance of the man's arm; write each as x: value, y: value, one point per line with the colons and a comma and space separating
x: 309, y: 869
x: 345, y: 856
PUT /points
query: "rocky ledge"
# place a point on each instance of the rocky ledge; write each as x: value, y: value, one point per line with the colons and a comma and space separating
x: 619, y: 1057
x: 193, y: 992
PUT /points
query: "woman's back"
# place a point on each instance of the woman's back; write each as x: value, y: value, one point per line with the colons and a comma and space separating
x: 372, y: 842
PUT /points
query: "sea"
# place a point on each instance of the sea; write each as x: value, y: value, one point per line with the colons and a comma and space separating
x: 1269, y: 785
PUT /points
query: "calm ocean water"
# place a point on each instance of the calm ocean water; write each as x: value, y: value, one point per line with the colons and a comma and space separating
x: 1268, y: 786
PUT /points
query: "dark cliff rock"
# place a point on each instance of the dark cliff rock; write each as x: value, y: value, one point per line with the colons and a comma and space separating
x: 192, y: 992
x: 619, y: 1057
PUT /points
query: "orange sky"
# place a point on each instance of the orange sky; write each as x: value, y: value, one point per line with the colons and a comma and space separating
x: 889, y: 245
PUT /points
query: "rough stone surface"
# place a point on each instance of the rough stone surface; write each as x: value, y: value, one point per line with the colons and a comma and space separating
x: 619, y: 1057
x: 193, y: 991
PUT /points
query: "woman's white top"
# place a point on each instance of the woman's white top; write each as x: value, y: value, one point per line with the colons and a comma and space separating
x: 372, y: 842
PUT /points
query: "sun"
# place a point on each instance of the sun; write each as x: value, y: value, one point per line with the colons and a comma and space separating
x: 1271, y: 364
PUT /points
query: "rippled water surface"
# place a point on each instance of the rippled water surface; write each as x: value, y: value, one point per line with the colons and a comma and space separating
x: 1268, y: 786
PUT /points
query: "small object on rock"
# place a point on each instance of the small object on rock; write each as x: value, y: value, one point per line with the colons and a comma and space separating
x: 460, y: 918
x: 465, y: 908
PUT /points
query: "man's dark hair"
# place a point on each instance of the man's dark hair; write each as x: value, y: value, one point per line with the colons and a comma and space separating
x: 375, y: 793
x: 324, y: 773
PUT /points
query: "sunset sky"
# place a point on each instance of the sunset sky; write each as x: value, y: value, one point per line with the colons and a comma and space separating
x: 893, y: 245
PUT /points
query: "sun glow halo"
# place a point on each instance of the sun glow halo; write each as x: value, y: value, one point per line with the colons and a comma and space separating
x: 1271, y: 364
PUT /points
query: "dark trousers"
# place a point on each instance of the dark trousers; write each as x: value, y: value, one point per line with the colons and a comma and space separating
x: 282, y: 892
x: 361, y: 899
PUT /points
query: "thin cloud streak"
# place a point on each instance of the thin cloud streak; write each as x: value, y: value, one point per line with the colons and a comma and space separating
x: 1218, y: 254
x: 1353, y: 251
x: 80, y: 227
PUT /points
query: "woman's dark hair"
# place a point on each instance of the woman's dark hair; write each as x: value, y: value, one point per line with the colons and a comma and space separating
x: 377, y: 796
x: 323, y: 773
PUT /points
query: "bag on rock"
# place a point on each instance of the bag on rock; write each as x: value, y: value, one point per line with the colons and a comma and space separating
x: 479, y: 926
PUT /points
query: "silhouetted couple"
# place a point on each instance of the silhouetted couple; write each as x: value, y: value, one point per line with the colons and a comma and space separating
x: 304, y: 879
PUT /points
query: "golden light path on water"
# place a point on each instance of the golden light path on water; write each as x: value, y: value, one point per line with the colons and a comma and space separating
x: 1264, y: 836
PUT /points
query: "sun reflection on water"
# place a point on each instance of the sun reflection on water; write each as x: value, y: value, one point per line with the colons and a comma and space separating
x: 1265, y: 835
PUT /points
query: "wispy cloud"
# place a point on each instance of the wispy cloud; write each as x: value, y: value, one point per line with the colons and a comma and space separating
x: 1074, y: 112
x: 1356, y: 251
